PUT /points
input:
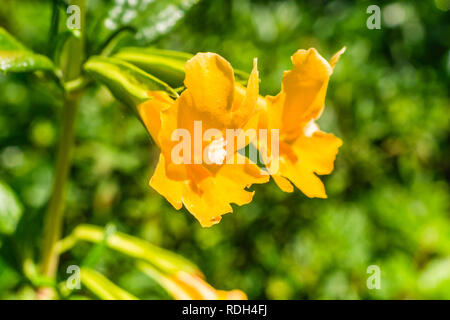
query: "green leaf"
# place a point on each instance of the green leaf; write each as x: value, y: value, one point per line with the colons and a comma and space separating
x: 10, y: 210
x: 126, y: 82
x: 164, y: 260
x: 102, y: 286
x: 15, y: 57
x: 118, y: 39
x: 165, y: 64
x: 151, y: 19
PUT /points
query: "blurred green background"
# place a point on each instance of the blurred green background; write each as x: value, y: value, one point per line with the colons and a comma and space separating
x: 388, y: 199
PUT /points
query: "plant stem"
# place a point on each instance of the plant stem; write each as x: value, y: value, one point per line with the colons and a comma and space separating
x: 54, y: 215
x: 74, y: 56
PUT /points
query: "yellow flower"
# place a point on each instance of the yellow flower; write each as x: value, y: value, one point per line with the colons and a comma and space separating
x: 304, y: 150
x: 185, y: 286
x: 203, y: 181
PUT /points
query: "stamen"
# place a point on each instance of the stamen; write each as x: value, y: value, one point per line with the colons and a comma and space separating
x: 310, y: 128
x: 216, y: 151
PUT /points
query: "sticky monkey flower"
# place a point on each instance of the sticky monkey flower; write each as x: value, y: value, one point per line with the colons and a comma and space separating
x: 207, y: 185
x: 304, y: 150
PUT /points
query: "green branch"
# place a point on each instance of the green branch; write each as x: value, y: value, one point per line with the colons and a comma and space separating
x: 54, y: 215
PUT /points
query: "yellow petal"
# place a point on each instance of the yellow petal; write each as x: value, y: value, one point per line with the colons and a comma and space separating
x: 196, y: 287
x: 177, y: 289
x: 303, y: 178
x: 336, y: 57
x: 170, y: 189
x: 303, y: 91
x: 317, y: 152
x: 283, y: 183
x: 170, y: 123
x: 243, y: 174
x: 244, y: 110
x: 306, y: 157
x: 210, y: 81
x: 213, y: 199
x: 304, y: 88
x: 202, y: 203
x: 150, y: 111
x: 231, y: 295
x: 207, y: 197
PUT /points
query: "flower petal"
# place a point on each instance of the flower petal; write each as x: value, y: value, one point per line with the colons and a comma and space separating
x: 213, y: 197
x: 304, y: 87
x: 231, y: 295
x: 303, y: 178
x: 170, y: 189
x: 336, y: 57
x: 317, y: 152
x: 245, y: 109
x: 206, y: 203
x: 210, y: 81
x: 150, y: 111
x: 207, y: 197
x: 306, y: 157
x: 303, y: 91
x: 243, y: 172
x: 283, y: 183
x: 197, y: 288
x: 169, y: 125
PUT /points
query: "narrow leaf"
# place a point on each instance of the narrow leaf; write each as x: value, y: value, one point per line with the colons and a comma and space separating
x: 126, y: 82
x: 15, y: 57
x: 165, y: 64
x: 102, y: 286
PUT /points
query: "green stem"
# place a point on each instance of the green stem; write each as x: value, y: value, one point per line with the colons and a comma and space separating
x: 54, y: 215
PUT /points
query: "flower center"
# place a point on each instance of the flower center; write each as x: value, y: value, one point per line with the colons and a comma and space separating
x: 310, y: 128
x: 216, y: 151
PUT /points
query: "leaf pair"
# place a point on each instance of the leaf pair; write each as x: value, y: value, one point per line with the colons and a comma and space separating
x: 132, y: 73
